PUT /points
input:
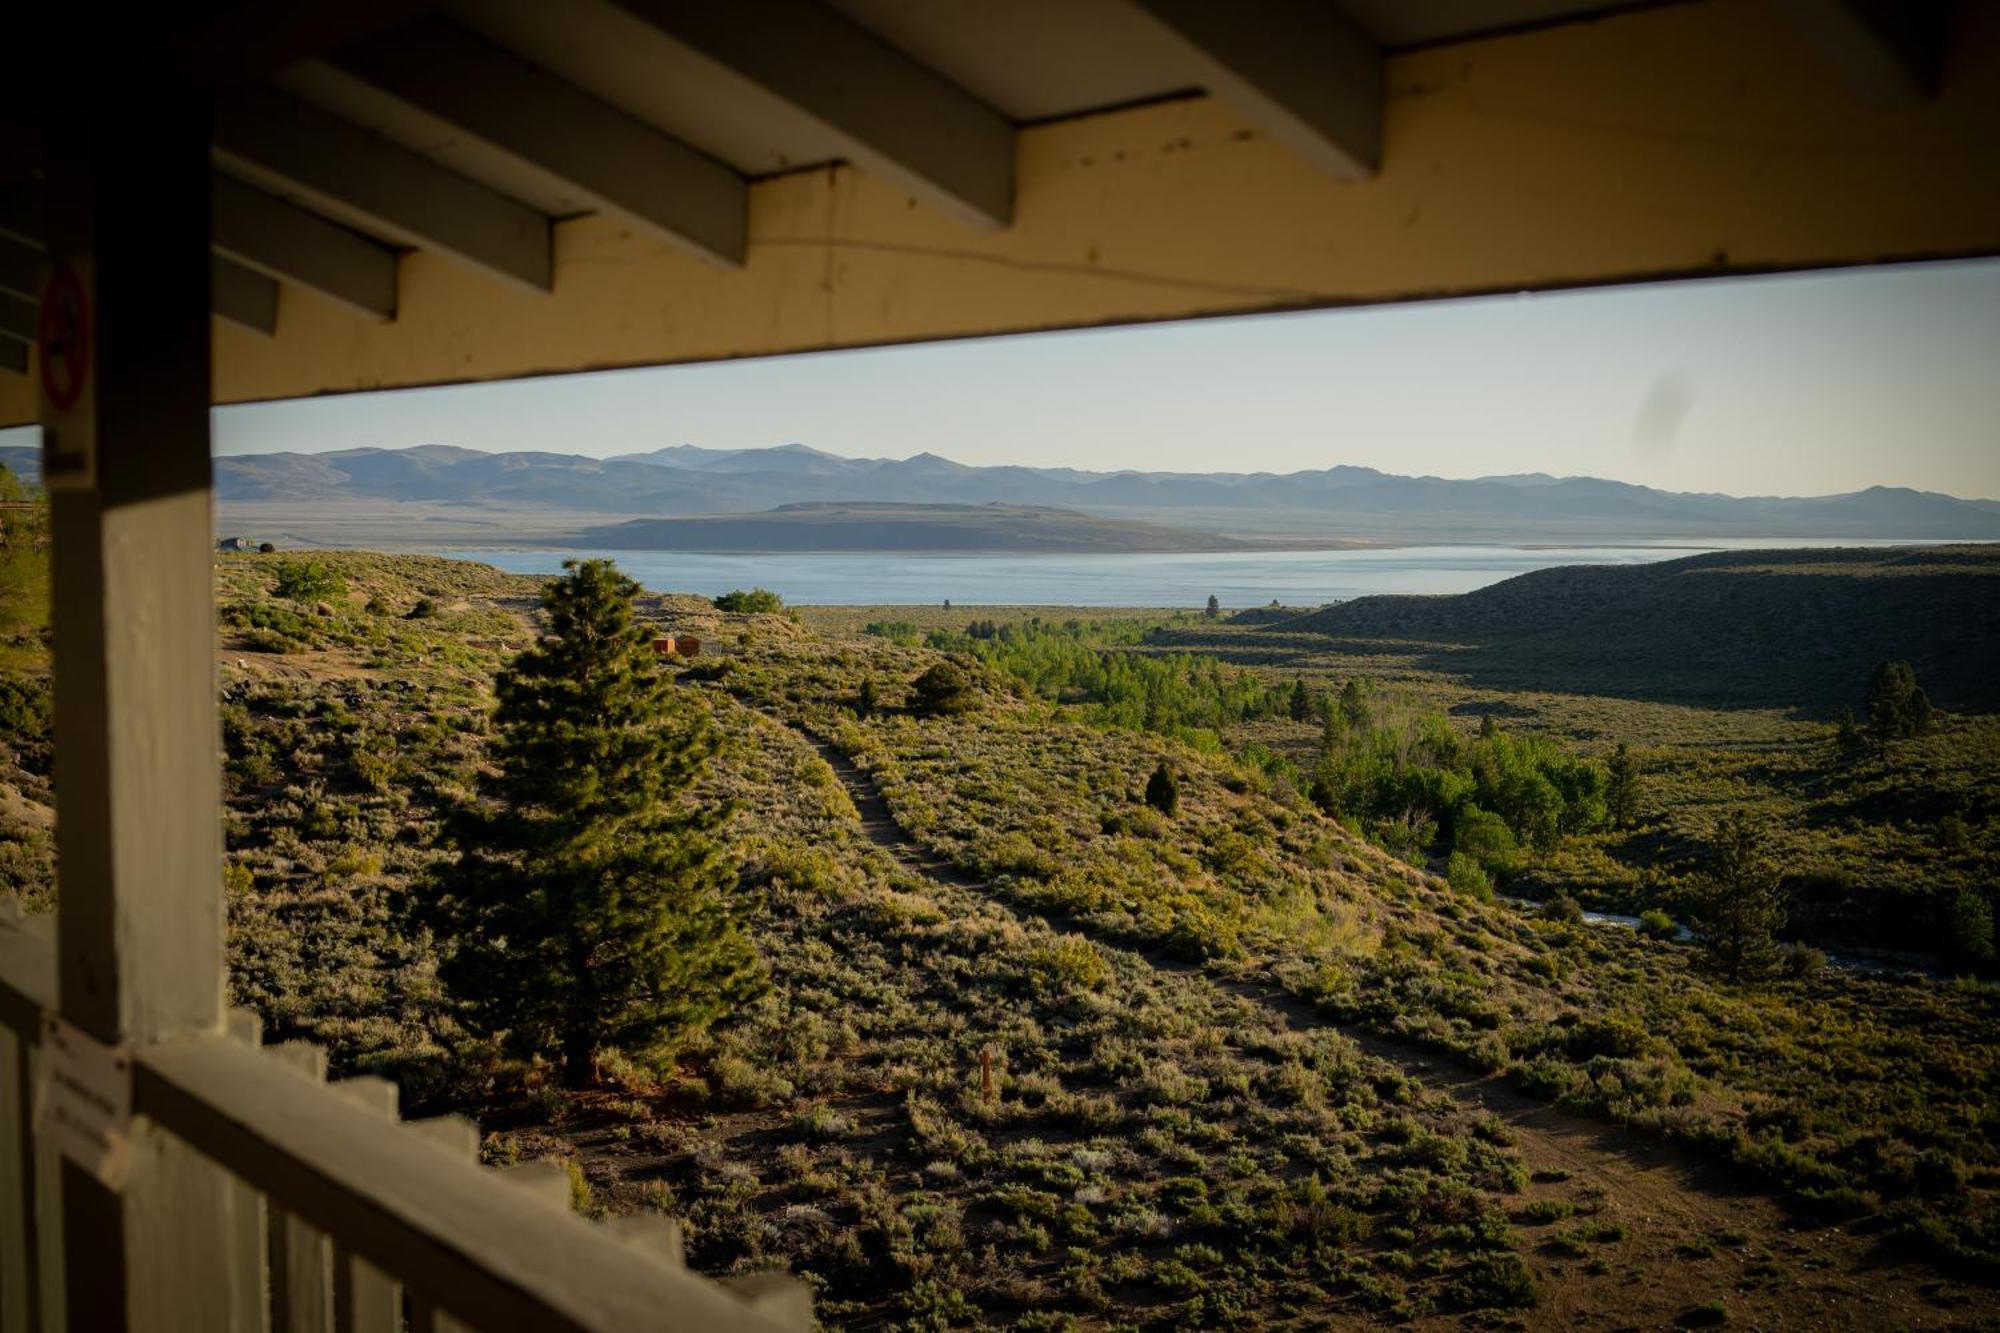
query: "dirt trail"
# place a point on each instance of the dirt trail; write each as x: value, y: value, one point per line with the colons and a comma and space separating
x: 1694, y: 1232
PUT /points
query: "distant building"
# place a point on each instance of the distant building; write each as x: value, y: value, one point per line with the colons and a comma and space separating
x: 677, y: 645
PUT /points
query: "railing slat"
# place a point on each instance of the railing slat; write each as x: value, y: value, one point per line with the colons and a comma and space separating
x: 49, y: 1221
x: 20, y: 1296
x: 301, y: 1255
x: 467, y: 1243
x: 249, y: 1243
x: 366, y: 1300
x: 544, y: 1180
x: 458, y: 1136
x: 653, y: 1234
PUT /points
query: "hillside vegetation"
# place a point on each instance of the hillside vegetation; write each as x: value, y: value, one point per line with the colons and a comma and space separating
x: 1037, y: 1051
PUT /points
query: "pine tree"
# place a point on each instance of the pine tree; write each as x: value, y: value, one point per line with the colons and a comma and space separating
x: 1214, y: 607
x: 1739, y: 902
x: 1354, y: 706
x: 1898, y: 708
x: 1621, y: 797
x: 1163, y: 793
x: 589, y: 907
x: 1301, y: 701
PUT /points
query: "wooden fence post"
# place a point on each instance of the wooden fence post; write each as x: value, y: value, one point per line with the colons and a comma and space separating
x: 125, y: 390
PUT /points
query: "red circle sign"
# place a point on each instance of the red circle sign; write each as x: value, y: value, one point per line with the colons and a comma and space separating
x: 63, y: 330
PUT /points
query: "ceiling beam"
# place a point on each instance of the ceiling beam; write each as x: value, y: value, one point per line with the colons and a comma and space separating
x: 21, y: 210
x: 248, y: 40
x: 236, y: 293
x: 265, y: 233
x: 346, y: 169
x: 1890, y: 52
x: 1297, y: 69
x: 22, y: 268
x: 17, y: 317
x: 242, y: 296
x: 619, y: 163
x: 898, y: 119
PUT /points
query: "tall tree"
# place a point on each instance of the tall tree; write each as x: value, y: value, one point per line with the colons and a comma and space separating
x: 589, y: 907
x: 1621, y: 795
x: 1301, y: 703
x: 1898, y: 708
x: 1354, y: 709
x: 1738, y: 903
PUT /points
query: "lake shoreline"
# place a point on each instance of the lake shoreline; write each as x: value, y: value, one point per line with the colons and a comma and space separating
x: 1238, y: 580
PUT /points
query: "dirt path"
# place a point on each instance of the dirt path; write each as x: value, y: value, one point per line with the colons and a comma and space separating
x: 1692, y: 1232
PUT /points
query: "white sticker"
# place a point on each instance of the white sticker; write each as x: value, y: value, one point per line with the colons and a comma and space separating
x: 84, y: 1103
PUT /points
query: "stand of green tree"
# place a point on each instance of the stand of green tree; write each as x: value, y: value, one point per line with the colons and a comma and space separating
x: 1416, y: 787
x: 1088, y: 663
x: 590, y: 907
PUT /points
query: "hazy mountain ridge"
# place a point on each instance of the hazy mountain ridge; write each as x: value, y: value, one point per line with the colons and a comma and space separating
x: 832, y: 525
x: 1332, y: 502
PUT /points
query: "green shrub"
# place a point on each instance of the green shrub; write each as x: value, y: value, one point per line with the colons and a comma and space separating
x: 942, y: 691
x: 309, y: 580
x: 1466, y: 876
x: 1495, y: 1282
x: 1657, y: 925
x: 1072, y: 963
x: 1799, y: 960
x: 1564, y: 909
x: 756, y: 600
x: 1969, y: 927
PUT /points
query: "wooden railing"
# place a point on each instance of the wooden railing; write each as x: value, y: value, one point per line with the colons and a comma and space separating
x: 335, y: 1215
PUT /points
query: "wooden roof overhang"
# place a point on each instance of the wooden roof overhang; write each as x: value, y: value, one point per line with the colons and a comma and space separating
x: 411, y: 194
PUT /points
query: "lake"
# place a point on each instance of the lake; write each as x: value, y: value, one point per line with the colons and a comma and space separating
x: 1237, y: 578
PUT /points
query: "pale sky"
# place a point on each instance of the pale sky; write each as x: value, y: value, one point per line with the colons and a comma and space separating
x: 1777, y: 385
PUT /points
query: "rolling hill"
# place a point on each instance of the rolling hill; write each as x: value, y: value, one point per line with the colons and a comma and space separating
x: 1798, y: 629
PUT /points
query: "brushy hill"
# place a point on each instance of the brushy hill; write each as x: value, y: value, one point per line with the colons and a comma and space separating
x: 1037, y: 1053
x: 1796, y: 629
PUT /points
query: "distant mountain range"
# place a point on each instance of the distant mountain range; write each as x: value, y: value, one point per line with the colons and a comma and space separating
x: 1325, y: 504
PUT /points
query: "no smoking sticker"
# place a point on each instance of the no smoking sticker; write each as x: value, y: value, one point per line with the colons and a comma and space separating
x: 65, y: 347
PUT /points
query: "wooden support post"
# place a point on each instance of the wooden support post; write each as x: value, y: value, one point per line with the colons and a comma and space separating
x: 139, y: 833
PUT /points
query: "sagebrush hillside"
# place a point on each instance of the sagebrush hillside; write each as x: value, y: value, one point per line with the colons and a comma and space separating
x: 1792, y: 629
x: 1039, y: 1054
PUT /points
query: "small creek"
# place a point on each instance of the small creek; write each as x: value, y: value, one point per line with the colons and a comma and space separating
x: 1875, y: 967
